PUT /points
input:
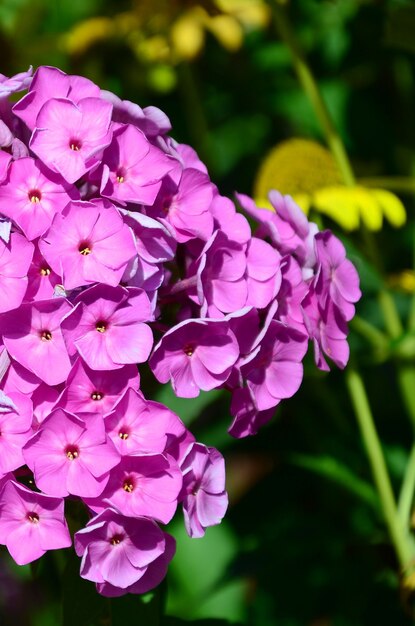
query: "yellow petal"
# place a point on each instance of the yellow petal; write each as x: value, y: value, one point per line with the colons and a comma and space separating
x: 339, y: 204
x: 187, y: 35
x: 87, y: 33
x: 370, y: 210
x: 227, y: 31
x: 391, y: 206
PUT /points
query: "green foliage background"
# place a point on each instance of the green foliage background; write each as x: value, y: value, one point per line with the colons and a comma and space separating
x: 304, y: 543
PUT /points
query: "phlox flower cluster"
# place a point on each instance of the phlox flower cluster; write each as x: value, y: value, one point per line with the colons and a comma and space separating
x: 116, y: 249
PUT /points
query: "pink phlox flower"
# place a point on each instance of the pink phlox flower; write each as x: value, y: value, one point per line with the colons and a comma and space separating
x: 15, y: 429
x: 195, y: 355
x: 42, y: 280
x: 153, y: 576
x: 6, y: 140
x: 263, y: 273
x: 133, y: 169
x: 221, y: 282
x: 44, y: 400
x: 90, y: 391
x: 190, y: 158
x: 48, y: 83
x: 247, y: 419
x: 187, y: 207
x: 15, y: 83
x: 136, y: 426
x: 146, y: 485
x: 15, y: 259
x: 33, y: 337
x: 68, y: 135
x: 204, y: 498
x: 88, y: 243
x: 118, y: 550
x: 337, y: 277
x: 18, y: 378
x: 291, y: 294
x: 107, y: 327
x: 71, y: 456
x: 233, y: 224
x: 328, y: 330
x: 31, y: 196
x: 31, y: 523
x: 274, y: 371
x: 5, y: 160
x: 150, y: 120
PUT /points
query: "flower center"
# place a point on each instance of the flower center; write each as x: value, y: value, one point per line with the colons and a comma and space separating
x: 96, y: 395
x: 85, y: 248
x: 189, y: 349
x: 128, y: 484
x: 35, y: 196
x: 44, y: 271
x: 32, y: 517
x: 101, y: 326
x: 116, y: 539
x: 72, y: 452
x: 75, y: 144
x: 123, y: 434
x: 120, y: 175
x: 46, y: 335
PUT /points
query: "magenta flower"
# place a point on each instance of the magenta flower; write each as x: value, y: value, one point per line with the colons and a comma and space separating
x: 31, y: 523
x: 118, y: 550
x: 275, y: 371
x: 136, y: 426
x: 247, y: 419
x: 41, y: 278
x: 106, y: 327
x: 48, y: 83
x: 5, y: 160
x: 146, y: 485
x: 203, y: 495
x: 71, y: 456
x: 222, y: 286
x: 195, y: 355
x: 338, y: 277
x: 68, y: 135
x: 33, y: 336
x: 88, y: 243
x: 187, y: 208
x: 133, y: 168
x: 15, y: 259
x: 89, y: 391
x: 263, y: 273
x: 154, y: 573
x: 15, y: 429
x: 31, y: 196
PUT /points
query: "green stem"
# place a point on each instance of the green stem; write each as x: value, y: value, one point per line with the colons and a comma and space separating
x: 406, y: 381
x: 406, y: 495
x: 378, y: 339
x: 397, y: 532
x: 390, y: 314
x: 309, y: 84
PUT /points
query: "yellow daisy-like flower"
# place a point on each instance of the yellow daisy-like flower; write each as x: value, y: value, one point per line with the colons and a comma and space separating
x: 307, y: 172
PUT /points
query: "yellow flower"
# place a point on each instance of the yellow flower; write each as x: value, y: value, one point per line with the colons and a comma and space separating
x: 307, y: 172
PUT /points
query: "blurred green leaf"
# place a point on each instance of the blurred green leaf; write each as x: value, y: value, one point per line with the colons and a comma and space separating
x: 187, y: 409
x: 175, y: 621
x: 334, y: 470
x: 400, y: 28
x: 138, y: 610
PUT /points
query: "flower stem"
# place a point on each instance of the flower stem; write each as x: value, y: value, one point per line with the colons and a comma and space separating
x: 398, y: 534
x: 406, y: 495
x: 309, y: 84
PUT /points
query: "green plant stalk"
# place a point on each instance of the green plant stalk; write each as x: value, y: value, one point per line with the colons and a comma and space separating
x: 393, y: 325
x: 398, y: 534
x: 406, y: 495
x: 375, y: 336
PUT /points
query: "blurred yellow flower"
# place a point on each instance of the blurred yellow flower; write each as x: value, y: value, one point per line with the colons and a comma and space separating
x: 169, y: 32
x: 307, y: 171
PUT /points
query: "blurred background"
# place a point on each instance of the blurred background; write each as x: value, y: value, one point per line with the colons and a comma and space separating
x: 303, y: 543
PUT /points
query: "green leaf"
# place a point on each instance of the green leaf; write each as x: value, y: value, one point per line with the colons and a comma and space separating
x: 187, y: 409
x: 175, y: 621
x: 334, y: 470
